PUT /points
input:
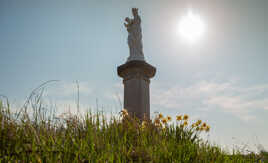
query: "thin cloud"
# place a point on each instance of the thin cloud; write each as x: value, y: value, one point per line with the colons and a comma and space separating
x: 226, y: 96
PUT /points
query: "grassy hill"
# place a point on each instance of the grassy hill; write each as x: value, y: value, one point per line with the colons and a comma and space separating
x: 37, y: 137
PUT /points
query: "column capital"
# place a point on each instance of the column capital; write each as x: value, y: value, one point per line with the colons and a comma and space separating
x: 136, y: 68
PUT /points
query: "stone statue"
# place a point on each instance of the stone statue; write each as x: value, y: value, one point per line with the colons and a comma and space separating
x: 134, y: 36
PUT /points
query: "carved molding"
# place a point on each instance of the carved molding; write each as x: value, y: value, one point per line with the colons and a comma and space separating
x: 140, y: 69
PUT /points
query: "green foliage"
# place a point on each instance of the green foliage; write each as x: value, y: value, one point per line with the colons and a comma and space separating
x: 94, y: 138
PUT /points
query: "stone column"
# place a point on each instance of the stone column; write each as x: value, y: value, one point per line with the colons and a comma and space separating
x: 136, y: 76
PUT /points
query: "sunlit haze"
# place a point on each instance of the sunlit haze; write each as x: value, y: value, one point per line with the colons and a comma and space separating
x: 191, y: 27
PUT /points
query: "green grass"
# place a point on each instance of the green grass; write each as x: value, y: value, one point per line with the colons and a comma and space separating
x: 37, y: 137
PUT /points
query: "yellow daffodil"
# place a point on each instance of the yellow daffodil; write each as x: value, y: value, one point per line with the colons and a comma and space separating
x: 185, y: 117
x: 204, y: 125
x: 160, y: 115
x: 198, y: 122
x: 179, y: 117
x: 169, y: 118
x: 164, y: 120
x: 207, y: 128
x: 157, y: 121
x: 124, y: 112
x: 185, y: 123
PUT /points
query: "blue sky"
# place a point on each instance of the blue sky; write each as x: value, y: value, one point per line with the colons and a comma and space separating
x: 222, y: 78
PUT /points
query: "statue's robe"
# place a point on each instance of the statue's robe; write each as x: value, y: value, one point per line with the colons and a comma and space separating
x: 135, y: 39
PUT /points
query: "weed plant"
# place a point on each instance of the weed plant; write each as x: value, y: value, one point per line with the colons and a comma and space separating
x: 36, y: 137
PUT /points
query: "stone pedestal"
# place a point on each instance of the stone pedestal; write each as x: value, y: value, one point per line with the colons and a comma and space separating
x: 136, y: 76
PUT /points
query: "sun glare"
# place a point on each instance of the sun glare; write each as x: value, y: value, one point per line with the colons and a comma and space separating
x: 191, y: 27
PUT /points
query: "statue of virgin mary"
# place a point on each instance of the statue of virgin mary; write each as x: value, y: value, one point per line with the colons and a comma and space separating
x: 134, y: 36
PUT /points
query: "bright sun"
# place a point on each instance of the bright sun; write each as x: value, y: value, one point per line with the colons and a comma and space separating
x: 191, y: 27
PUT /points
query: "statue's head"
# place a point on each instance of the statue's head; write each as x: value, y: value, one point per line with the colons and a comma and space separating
x: 135, y: 11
